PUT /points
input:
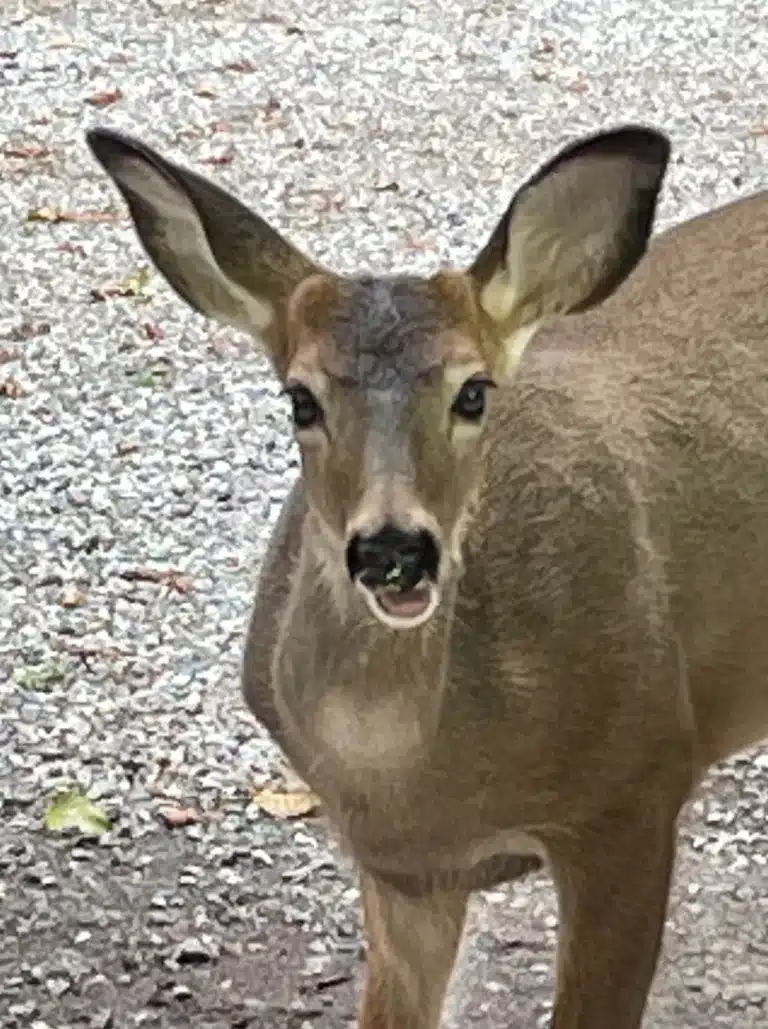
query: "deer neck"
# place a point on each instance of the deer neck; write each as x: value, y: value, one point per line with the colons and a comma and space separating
x: 371, y: 694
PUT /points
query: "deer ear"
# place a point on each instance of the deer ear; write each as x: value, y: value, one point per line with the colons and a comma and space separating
x: 219, y: 256
x: 572, y: 234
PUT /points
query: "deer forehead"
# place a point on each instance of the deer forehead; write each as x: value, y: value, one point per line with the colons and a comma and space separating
x: 383, y: 334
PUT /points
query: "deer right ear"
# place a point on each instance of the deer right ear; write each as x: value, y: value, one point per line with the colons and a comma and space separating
x: 572, y: 233
x: 219, y: 256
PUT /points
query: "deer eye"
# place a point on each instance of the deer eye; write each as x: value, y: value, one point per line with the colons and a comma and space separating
x: 469, y: 403
x: 306, y: 411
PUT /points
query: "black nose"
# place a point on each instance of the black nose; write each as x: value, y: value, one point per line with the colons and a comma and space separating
x: 393, y: 557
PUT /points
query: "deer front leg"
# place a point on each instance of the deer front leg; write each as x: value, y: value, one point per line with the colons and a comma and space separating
x: 613, y: 885
x: 412, y: 946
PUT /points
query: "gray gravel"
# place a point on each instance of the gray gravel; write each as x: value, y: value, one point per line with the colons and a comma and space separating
x: 133, y: 436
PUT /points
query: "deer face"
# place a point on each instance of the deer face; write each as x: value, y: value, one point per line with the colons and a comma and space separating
x: 389, y: 384
x: 390, y: 379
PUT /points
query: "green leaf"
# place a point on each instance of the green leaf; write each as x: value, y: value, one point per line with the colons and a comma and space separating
x: 140, y: 284
x: 42, y: 677
x: 72, y: 810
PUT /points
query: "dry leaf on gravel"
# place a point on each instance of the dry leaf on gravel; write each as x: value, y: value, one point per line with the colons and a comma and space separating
x: 25, y: 151
x: 245, y: 67
x: 421, y: 244
x: 126, y: 446
x: 152, y: 331
x: 72, y: 248
x: 178, y: 817
x: 170, y: 577
x: 287, y: 803
x: 272, y: 108
x: 105, y: 99
x: 56, y: 214
x: 218, y: 159
x: 138, y: 285
x: 73, y: 596
x: 12, y: 389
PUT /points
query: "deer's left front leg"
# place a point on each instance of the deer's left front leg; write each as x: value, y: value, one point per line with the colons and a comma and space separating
x: 613, y: 882
x: 413, y: 942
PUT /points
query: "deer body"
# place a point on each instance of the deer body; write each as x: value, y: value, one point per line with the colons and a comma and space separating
x: 598, y: 638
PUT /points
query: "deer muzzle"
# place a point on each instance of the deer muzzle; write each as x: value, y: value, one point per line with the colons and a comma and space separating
x: 397, y: 572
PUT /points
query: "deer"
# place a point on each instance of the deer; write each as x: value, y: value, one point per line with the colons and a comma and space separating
x: 514, y: 606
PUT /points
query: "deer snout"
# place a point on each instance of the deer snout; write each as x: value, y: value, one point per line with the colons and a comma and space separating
x: 393, y: 558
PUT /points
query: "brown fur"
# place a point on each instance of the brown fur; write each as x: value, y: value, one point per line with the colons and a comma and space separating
x: 601, y: 638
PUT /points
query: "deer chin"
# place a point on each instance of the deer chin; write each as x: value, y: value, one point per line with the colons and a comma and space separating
x: 398, y: 609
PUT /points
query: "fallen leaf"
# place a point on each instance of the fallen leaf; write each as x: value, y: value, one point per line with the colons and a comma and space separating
x: 42, y: 677
x: 45, y: 214
x: 218, y: 159
x: 56, y: 214
x: 12, y: 389
x: 579, y: 85
x: 388, y: 187
x: 25, y: 150
x: 72, y: 810
x: 170, y: 577
x: 72, y: 248
x: 60, y: 42
x: 73, y: 596
x: 152, y: 331
x: 86, y: 650
x: 105, y: 98
x: 138, y: 285
x: 178, y: 817
x: 325, y: 203
x: 272, y: 107
x: 245, y: 67
x: 546, y: 46
x: 159, y: 373
x: 287, y: 804
x: 422, y: 245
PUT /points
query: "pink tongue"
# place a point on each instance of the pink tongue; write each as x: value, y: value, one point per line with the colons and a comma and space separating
x: 404, y: 605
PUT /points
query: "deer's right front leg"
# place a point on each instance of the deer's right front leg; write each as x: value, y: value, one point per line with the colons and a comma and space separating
x: 412, y: 946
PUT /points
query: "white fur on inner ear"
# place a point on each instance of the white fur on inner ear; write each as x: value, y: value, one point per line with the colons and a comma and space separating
x: 499, y: 298
x: 514, y: 346
x: 185, y: 237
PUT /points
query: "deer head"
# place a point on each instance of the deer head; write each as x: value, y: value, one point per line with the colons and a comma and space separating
x: 391, y: 379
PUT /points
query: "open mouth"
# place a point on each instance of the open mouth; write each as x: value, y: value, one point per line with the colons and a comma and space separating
x: 402, y: 609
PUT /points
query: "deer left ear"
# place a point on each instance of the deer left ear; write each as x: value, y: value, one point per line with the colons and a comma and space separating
x: 222, y: 258
x: 572, y: 234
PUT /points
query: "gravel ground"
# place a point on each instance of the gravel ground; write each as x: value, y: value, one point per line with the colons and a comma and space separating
x: 144, y: 455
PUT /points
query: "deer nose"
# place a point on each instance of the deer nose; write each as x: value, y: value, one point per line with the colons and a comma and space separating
x: 393, y: 557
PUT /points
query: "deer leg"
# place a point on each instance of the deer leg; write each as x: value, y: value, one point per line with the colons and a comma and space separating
x: 412, y: 946
x: 613, y: 886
